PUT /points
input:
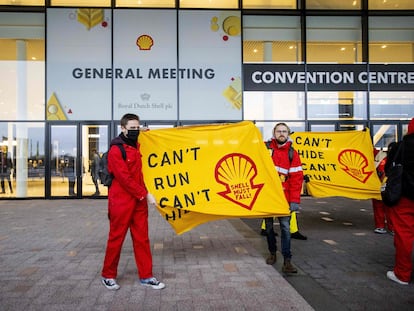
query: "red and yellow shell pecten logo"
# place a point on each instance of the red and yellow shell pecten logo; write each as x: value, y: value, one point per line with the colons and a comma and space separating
x: 145, y: 42
x: 355, y: 164
x: 237, y: 172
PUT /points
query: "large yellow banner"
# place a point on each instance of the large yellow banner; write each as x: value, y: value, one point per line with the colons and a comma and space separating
x: 338, y: 163
x: 203, y: 173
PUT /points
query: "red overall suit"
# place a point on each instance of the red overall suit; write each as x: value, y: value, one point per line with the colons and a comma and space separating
x: 127, y: 209
x: 402, y: 217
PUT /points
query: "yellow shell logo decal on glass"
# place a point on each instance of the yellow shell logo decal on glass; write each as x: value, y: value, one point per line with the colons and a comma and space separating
x: 237, y: 172
x: 91, y: 17
x: 233, y: 93
x: 54, y: 109
x: 145, y: 42
x: 229, y: 24
x: 354, y: 164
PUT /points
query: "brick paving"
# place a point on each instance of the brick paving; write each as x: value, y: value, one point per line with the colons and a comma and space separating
x: 51, y: 254
x: 343, y: 262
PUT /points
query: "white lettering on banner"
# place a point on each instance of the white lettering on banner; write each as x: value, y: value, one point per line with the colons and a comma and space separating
x: 336, y: 77
x: 136, y: 73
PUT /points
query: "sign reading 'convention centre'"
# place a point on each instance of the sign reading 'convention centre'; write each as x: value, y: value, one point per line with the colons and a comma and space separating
x: 328, y: 77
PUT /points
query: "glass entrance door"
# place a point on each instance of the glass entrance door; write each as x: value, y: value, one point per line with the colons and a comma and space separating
x: 64, y: 166
x: 94, y: 144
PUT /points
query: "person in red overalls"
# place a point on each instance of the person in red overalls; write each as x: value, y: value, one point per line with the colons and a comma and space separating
x: 128, y: 201
x: 382, y: 219
x: 402, y: 215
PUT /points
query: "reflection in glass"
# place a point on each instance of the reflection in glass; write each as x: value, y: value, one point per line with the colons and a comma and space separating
x: 63, y: 164
x: 210, y: 4
x: 22, y: 160
x: 270, y: 4
x: 391, y: 105
x: 81, y: 3
x: 271, y: 39
x: 274, y: 105
x: 334, y: 39
x: 94, y: 144
x: 383, y: 135
x: 391, y: 5
x: 391, y: 39
x: 337, y: 105
x: 333, y: 5
x: 145, y: 3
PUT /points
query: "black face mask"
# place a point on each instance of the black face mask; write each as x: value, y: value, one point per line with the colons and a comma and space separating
x: 133, y: 135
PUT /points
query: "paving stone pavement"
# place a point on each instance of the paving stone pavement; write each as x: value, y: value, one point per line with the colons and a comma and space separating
x: 343, y: 263
x: 51, y: 254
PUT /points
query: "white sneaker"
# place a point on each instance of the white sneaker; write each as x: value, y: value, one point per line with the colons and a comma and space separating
x: 152, y: 282
x: 380, y: 230
x: 110, y: 284
x: 391, y: 275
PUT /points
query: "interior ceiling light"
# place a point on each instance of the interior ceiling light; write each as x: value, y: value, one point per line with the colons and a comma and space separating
x: 383, y: 46
x: 343, y: 49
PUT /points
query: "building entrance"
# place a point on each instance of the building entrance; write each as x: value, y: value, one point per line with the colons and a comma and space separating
x: 74, y: 159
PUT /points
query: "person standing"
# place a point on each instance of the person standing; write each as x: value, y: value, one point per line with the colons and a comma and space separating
x: 128, y: 201
x: 382, y: 219
x: 6, y: 164
x: 95, y: 166
x: 402, y: 214
x: 291, y: 175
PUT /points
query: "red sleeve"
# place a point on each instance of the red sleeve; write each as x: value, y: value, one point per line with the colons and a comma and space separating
x: 295, y: 179
x: 127, y: 173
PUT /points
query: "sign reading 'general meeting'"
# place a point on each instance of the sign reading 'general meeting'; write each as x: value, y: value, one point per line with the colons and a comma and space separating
x: 110, y: 63
x: 328, y: 77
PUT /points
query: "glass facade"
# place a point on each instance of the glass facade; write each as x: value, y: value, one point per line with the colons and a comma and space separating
x: 70, y: 69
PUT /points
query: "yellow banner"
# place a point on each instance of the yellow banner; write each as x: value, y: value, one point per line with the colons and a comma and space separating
x: 203, y: 173
x: 338, y: 163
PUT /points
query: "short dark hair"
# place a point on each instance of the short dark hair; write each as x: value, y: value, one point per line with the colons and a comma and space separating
x: 127, y: 117
x: 281, y: 123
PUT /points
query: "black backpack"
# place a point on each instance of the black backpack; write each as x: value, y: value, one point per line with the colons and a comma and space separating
x: 104, y: 175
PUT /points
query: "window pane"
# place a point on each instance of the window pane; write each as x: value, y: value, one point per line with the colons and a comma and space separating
x: 336, y: 105
x: 23, y: 2
x: 270, y: 4
x: 145, y: 3
x: 22, y: 63
x: 391, y: 105
x: 274, y: 106
x: 80, y: 3
x: 391, y: 5
x: 271, y: 39
x: 384, y: 134
x: 210, y: 4
x: 334, y: 39
x: 336, y: 4
x: 391, y: 39
x: 22, y: 160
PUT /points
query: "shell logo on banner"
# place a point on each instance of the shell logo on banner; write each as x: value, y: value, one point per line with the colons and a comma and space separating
x: 237, y: 173
x: 210, y: 172
x: 338, y: 164
x: 355, y: 164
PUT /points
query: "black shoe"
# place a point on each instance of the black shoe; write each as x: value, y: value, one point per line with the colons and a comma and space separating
x: 298, y: 236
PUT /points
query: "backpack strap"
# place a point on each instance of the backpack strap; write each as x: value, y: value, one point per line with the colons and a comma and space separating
x: 123, y: 152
